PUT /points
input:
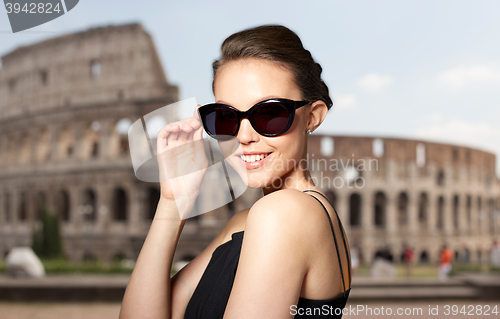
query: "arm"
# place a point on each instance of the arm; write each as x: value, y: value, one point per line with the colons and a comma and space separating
x: 149, y: 285
x: 274, y: 257
x: 182, y: 164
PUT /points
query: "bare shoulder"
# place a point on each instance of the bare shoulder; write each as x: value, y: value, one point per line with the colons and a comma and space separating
x: 288, y: 212
x: 235, y: 224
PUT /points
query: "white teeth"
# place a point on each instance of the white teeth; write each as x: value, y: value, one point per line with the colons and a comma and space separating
x: 252, y: 158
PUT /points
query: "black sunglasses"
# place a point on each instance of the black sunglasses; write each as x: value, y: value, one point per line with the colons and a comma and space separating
x: 270, y: 118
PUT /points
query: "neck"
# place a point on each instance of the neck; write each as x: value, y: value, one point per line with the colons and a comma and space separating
x: 298, y: 178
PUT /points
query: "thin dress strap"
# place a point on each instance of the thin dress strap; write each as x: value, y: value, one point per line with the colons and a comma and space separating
x: 334, y: 237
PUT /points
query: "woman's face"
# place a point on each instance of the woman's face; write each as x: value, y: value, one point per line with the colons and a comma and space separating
x: 242, y: 84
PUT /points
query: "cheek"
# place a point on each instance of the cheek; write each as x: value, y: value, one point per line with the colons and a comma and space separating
x: 230, y: 148
x: 289, y: 150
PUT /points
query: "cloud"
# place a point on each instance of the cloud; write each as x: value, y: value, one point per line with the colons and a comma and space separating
x: 462, y: 76
x: 374, y: 82
x: 346, y: 101
x: 434, y: 117
x: 481, y: 135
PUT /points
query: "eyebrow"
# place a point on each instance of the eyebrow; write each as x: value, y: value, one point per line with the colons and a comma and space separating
x: 260, y: 100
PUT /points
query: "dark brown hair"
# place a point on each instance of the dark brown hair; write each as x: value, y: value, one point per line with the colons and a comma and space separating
x: 278, y: 44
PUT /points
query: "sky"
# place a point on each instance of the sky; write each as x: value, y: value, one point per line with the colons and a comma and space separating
x: 410, y: 69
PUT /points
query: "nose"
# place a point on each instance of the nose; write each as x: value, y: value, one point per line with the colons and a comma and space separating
x: 247, y: 134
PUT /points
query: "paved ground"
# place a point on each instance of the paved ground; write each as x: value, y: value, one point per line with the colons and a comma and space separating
x: 378, y: 295
x: 59, y: 310
x: 111, y: 310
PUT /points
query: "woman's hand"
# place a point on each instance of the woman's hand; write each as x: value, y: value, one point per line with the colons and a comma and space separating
x: 182, y: 161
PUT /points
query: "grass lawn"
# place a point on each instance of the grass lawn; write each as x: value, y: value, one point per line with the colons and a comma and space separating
x: 59, y: 266
x: 120, y: 267
x: 428, y: 271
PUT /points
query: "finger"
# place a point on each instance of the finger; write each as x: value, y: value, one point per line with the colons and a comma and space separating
x: 172, y: 137
x: 196, y: 115
x: 195, y: 123
x: 162, y: 133
x: 173, y: 127
x: 186, y: 127
x: 182, y: 137
x: 198, y: 134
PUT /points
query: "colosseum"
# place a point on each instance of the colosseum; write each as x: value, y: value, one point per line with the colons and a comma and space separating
x: 68, y: 102
x: 391, y: 192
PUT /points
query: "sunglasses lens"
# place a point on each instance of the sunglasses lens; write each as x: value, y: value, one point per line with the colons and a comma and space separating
x: 221, y: 121
x: 271, y: 118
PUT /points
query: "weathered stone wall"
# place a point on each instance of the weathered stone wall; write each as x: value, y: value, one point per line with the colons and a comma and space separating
x: 409, y: 192
x: 65, y: 106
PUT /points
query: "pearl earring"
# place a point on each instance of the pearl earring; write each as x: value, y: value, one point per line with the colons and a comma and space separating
x: 309, y: 132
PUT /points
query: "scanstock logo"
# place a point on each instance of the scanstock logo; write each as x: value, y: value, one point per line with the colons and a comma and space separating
x: 26, y: 14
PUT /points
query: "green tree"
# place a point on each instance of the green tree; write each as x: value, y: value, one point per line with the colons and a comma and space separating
x: 47, y: 241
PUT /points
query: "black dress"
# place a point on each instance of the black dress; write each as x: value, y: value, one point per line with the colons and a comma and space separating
x: 210, y: 297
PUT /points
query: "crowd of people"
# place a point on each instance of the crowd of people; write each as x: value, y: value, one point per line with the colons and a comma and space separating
x: 407, y: 257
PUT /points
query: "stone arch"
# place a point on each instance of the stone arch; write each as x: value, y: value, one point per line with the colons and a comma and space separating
x: 120, y: 204
x: 355, y: 209
x: 91, y: 140
x: 440, y: 177
x: 95, y: 68
x: 491, y: 215
x: 43, y: 147
x: 479, y: 209
x: 423, y: 206
x: 88, y: 205
x: 7, y: 206
x: 456, y: 204
x: 23, y: 212
x: 402, y: 209
x: 24, y: 151
x: 11, y: 151
x: 119, y: 137
x: 331, y: 197
x: 380, y: 210
x: 63, y: 205
x: 153, y: 197
x: 40, y: 204
x: 440, y: 213
x: 66, y: 140
x: 468, y: 209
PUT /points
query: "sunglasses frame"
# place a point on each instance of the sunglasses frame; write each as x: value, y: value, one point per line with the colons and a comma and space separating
x: 291, y: 106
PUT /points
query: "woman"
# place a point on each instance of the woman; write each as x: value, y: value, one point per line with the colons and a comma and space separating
x: 277, y: 259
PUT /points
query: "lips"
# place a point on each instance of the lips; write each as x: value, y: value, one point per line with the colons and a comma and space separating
x: 252, y: 160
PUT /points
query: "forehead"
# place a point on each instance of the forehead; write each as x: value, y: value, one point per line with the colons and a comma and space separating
x: 242, y: 83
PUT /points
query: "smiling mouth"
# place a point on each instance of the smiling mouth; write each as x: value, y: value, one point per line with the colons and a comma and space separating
x: 253, y: 158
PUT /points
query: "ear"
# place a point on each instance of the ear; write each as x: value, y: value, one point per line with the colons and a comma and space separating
x: 317, y: 114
